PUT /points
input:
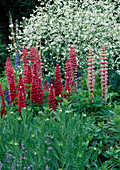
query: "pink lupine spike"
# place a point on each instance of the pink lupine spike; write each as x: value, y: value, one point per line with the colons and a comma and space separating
x: 91, y: 74
x: 3, y: 111
x: 104, y: 72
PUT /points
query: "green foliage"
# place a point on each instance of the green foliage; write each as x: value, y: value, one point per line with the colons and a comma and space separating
x: 3, y: 55
x: 78, y: 140
x: 114, y: 80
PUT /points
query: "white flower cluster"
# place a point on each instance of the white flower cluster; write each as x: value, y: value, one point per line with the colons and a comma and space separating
x: 69, y: 23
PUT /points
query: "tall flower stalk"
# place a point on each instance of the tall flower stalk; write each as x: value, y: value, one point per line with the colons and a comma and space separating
x: 40, y: 92
x: 17, y: 60
x: 46, y: 88
x: 68, y: 71
x: 51, y: 99
x: 104, y: 72
x: 35, y: 72
x: 13, y: 94
x: 73, y: 61
x: 21, y: 84
x: 67, y: 88
x: 58, y: 82
x: 21, y: 94
x: 25, y: 61
x: 34, y: 90
x: 9, y: 71
x: 35, y: 58
x: 29, y: 80
x: 91, y: 74
x: 3, y: 111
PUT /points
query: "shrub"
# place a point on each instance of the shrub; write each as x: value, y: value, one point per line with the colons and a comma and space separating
x: 70, y: 23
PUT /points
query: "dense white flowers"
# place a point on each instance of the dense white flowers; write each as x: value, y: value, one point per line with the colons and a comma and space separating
x: 70, y: 23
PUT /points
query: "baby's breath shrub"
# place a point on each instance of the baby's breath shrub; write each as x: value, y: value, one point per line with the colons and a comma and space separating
x: 70, y: 23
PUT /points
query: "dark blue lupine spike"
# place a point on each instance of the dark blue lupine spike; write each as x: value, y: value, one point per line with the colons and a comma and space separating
x: 17, y: 60
x: 78, y: 81
x: 7, y: 95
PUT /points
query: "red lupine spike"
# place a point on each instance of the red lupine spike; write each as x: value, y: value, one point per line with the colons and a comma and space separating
x: 35, y: 58
x: 38, y: 62
x: 29, y: 81
x: 21, y: 100
x: 34, y: 90
x: 25, y: 61
x: 35, y: 72
x: 9, y: 70
x: 40, y: 93
x: 12, y: 89
x: 51, y: 99
x: 73, y: 61
x: 32, y: 55
x: 46, y: 88
x: 3, y: 111
x: 58, y: 82
x: 67, y: 88
x: 68, y: 71
x: 21, y: 85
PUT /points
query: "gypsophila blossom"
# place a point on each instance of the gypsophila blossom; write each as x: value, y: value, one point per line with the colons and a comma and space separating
x: 74, y: 23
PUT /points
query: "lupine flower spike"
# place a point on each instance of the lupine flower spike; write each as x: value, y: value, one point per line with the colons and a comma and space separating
x: 40, y: 92
x: 35, y: 58
x: 9, y: 71
x: 32, y: 55
x: 7, y: 94
x: 12, y: 89
x: 67, y: 88
x: 3, y: 111
x: 73, y: 61
x: 21, y: 94
x: 17, y: 61
x: 46, y: 88
x: 68, y: 71
x: 52, y: 100
x: 21, y: 84
x: 91, y: 74
x: 29, y: 80
x: 58, y: 82
x: 104, y: 72
x: 34, y: 90
x: 35, y: 72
